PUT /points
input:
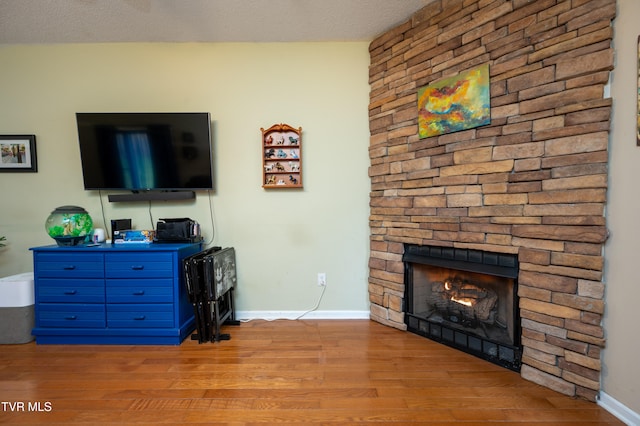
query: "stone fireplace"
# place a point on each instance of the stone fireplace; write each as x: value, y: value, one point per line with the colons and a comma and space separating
x: 531, y: 184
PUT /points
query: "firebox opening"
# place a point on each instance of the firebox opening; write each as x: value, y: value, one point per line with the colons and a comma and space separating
x: 466, y: 299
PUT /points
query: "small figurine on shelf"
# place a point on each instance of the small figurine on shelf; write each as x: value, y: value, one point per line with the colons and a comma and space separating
x: 271, y: 180
x: 280, y: 140
x: 279, y: 167
x: 294, y: 141
x: 281, y: 154
x: 294, y: 154
x: 281, y: 182
x: 268, y: 167
x: 293, y: 166
x: 269, y: 140
x: 270, y: 153
x: 292, y: 179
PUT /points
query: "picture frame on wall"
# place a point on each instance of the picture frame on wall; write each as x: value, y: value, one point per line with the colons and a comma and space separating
x: 18, y: 153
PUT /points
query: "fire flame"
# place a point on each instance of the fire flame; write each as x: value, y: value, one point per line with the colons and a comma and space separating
x: 463, y: 301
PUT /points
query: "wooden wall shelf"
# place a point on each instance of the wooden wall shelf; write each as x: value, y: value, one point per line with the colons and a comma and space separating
x: 281, y: 156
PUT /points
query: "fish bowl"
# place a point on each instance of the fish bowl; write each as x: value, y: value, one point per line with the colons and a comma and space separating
x: 69, y: 225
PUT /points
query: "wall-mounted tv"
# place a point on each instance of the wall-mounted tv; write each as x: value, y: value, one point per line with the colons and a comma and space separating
x: 146, y: 151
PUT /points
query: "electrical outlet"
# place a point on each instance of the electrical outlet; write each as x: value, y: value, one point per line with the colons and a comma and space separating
x: 322, y: 279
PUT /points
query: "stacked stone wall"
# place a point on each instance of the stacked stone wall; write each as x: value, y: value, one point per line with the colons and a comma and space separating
x: 533, y: 182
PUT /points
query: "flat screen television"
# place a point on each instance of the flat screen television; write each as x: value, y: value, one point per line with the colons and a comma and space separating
x: 146, y: 151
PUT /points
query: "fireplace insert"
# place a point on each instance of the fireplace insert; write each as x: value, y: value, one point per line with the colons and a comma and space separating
x: 466, y: 299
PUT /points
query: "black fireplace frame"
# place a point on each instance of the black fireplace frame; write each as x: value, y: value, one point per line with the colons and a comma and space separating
x: 497, y: 264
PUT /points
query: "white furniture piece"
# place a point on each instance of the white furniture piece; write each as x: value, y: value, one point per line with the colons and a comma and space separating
x: 16, y: 308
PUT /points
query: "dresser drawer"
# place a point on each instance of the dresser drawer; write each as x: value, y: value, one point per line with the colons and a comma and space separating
x: 140, y: 316
x: 159, y: 290
x: 82, y: 290
x: 67, y: 265
x: 68, y: 315
x: 139, y: 265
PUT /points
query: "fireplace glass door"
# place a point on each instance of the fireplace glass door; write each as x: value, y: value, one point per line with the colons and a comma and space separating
x: 476, y: 303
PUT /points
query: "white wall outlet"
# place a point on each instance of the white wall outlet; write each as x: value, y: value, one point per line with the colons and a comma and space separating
x: 322, y: 279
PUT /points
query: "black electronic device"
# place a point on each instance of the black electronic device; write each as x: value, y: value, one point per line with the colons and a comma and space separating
x: 146, y: 152
x: 120, y: 225
x: 183, y: 230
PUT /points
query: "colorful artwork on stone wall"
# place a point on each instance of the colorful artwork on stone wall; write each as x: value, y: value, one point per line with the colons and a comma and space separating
x: 455, y: 103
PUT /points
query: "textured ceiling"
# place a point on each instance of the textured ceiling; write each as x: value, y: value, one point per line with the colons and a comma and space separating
x: 96, y: 21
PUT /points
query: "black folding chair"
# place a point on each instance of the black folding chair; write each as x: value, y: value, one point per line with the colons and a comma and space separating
x: 195, y: 284
x: 220, y: 281
x: 210, y: 277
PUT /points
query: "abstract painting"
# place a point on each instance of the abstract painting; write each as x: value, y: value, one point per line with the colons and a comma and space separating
x: 455, y: 103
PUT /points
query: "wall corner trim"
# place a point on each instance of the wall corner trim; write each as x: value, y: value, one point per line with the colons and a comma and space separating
x: 621, y: 411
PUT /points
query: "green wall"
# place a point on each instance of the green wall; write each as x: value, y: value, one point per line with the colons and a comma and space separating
x: 282, y: 238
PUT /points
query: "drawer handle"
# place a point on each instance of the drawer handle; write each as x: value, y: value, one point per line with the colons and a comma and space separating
x: 140, y: 318
x: 71, y: 317
x: 69, y: 267
x: 138, y: 293
x: 137, y: 267
x: 70, y: 292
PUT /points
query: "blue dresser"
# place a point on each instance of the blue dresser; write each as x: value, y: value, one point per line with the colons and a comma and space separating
x: 112, y: 294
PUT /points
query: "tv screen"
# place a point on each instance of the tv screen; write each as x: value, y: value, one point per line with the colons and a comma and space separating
x: 146, y: 151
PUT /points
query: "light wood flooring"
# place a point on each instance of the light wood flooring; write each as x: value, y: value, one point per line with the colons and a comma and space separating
x: 322, y: 372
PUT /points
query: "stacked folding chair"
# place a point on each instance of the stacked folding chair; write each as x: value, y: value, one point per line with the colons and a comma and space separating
x: 210, y: 279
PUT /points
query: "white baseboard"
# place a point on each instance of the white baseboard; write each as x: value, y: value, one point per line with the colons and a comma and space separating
x: 293, y: 315
x: 622, y: 412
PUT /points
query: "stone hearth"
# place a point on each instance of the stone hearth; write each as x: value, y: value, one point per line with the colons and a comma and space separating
x: 532, y: 183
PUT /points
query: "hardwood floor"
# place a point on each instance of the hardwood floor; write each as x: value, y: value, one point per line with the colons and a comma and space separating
x: 325, y: 372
